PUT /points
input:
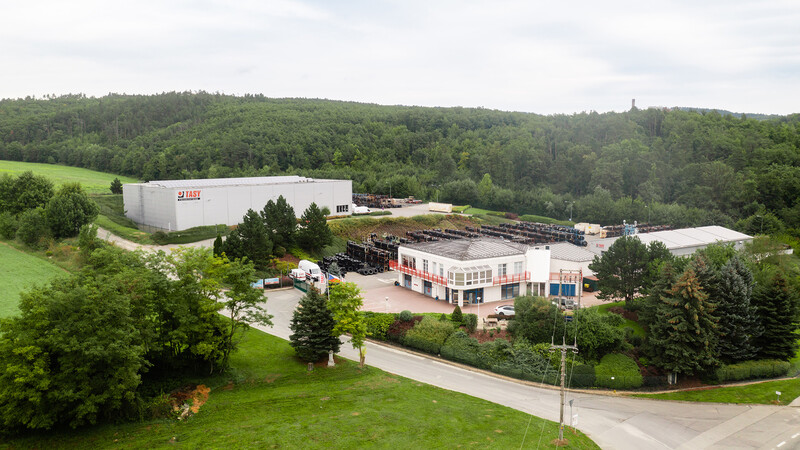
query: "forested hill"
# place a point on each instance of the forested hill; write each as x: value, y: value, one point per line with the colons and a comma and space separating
x: 673, y: 166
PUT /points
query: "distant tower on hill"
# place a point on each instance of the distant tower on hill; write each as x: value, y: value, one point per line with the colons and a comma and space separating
x: 633, y: 103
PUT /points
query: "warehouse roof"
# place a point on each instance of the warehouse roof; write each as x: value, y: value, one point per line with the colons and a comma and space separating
x: 675, y: 239
x: 570, y: 252
x: 219, y: 182
x: 468, y: 249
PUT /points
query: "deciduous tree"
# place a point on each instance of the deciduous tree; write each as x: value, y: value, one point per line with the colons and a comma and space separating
x: 69, y: 210
x: 621, y: 269
x: 345, y: 302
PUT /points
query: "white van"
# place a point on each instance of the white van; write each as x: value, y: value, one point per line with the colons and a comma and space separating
x: 312, y: 270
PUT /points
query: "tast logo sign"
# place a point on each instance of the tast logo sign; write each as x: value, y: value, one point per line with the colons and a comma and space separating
x: 188, y: 195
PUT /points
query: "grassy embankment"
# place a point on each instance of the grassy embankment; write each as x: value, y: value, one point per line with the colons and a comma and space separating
x: 637, y: 329
x: 19, y: 272
x: 270, y: 400
x: 92, y: 181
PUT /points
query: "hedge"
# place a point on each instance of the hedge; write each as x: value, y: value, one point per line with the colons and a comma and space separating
x: 429, y: 335
x: 378, y: 324
x: 617, y: 371
x: 767, y: 368
x: 582, y: 376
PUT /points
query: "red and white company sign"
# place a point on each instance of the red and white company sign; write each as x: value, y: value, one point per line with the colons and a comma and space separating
x: 188, y: 195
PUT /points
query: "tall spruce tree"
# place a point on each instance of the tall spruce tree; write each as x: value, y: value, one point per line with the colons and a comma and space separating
x: 738, y: 319
x: 255, y: 243
x: 682, y: 336
x: 280, y: 221
x: 314, y: 233
x: 312, y: 328
x: 777, y: 312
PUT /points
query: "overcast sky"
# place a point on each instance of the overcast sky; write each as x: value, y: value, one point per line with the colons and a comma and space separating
x: 543, y: 57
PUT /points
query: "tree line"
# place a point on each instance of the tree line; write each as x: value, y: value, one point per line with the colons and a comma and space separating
x: 100, y: 344
x: 270, y: 232
x: 33, y: 211
x: 680, y: 167
x: 719, y: 306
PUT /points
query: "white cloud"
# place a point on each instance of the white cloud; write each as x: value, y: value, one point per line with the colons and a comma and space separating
x: 545, y: 57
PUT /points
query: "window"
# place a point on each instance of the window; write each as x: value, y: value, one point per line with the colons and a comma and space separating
x: 410, y: 261
x: 424, y: 265
x: 509, y: 291
x: 501, y: 269
x: 518, y: 267
x: 469, y: 276
x: 441, y: 271
x: 434, y: 268
x: 342, y: 208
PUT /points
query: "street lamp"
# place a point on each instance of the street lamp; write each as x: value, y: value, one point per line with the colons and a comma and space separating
x: 479, y: 306
x: 570, y: 209
x: 761, y: 223
x: 387, y: 305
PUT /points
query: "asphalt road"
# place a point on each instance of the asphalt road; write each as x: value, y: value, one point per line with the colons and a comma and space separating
x: 613, y: 422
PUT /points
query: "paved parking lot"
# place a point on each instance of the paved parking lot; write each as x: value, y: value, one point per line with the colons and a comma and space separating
x: 376, y: 289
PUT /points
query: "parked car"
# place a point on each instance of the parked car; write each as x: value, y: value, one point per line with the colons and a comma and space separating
x: 505, y: 310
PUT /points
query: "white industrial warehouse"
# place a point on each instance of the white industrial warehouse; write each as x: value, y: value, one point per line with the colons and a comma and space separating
x: 181, y: 204
x: 486, y: 269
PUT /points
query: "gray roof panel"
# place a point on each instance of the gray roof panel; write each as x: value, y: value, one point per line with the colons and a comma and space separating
x: 469, y: 249
x: 570, y: 252
x: 221, y: 182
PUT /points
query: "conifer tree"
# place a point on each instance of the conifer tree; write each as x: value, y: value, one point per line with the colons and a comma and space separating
x: 280, y: 221
x: 218, y: 245
x: 255, y: 243
x: 312, y: 328
x: 777, y: 311
x: 738, y: 318
x: 682, y: 337
x: 314, y: 233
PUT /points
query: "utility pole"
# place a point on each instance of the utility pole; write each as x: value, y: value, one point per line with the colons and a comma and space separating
x: 563, y: 348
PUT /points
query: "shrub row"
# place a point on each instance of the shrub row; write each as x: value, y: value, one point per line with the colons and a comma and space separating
x: 378, y: 324
x: 617, y: 371
x: 768, y: 368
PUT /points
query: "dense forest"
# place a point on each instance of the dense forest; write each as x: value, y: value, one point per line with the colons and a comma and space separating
x: 679, y: 167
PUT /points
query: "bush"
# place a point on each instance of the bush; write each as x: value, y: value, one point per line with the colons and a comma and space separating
x: 461, y: 348
x: 8, y: 225
x: 457, y: 315
x: 767, y: 368
x: 33, y: 227
x: 378, y: 324
x: 617, y: 371
x: 471, y: 322
x: 443, y: 317
x: 429, y: 335
x: 405, y: 316
x: 582, y: 376
x: 525, y: 362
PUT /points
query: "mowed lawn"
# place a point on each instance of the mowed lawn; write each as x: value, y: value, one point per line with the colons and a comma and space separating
x: 93, y: 182
x: 18, y: 271
x: 763, y: 393
x: 270, y: 400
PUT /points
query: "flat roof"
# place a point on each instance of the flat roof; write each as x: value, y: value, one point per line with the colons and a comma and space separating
x: 469, y: 249
x: 221, y: 182
x: 570, y: 252
x: 682, y: 238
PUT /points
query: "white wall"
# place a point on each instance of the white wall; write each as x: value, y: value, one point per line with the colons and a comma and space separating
x: 159, y: 207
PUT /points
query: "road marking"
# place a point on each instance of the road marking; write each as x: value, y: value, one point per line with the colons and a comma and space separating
x: 795, y: 435
x: 781, y: 444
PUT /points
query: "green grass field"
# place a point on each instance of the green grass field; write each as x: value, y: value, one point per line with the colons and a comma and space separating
x: 93, y: 182
x: 19, y: 271
x: 763, y: 393
x: 274, y: 402
x: 637, y: 329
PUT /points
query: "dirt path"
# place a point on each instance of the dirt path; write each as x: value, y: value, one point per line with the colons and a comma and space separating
x: 107, y: 236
